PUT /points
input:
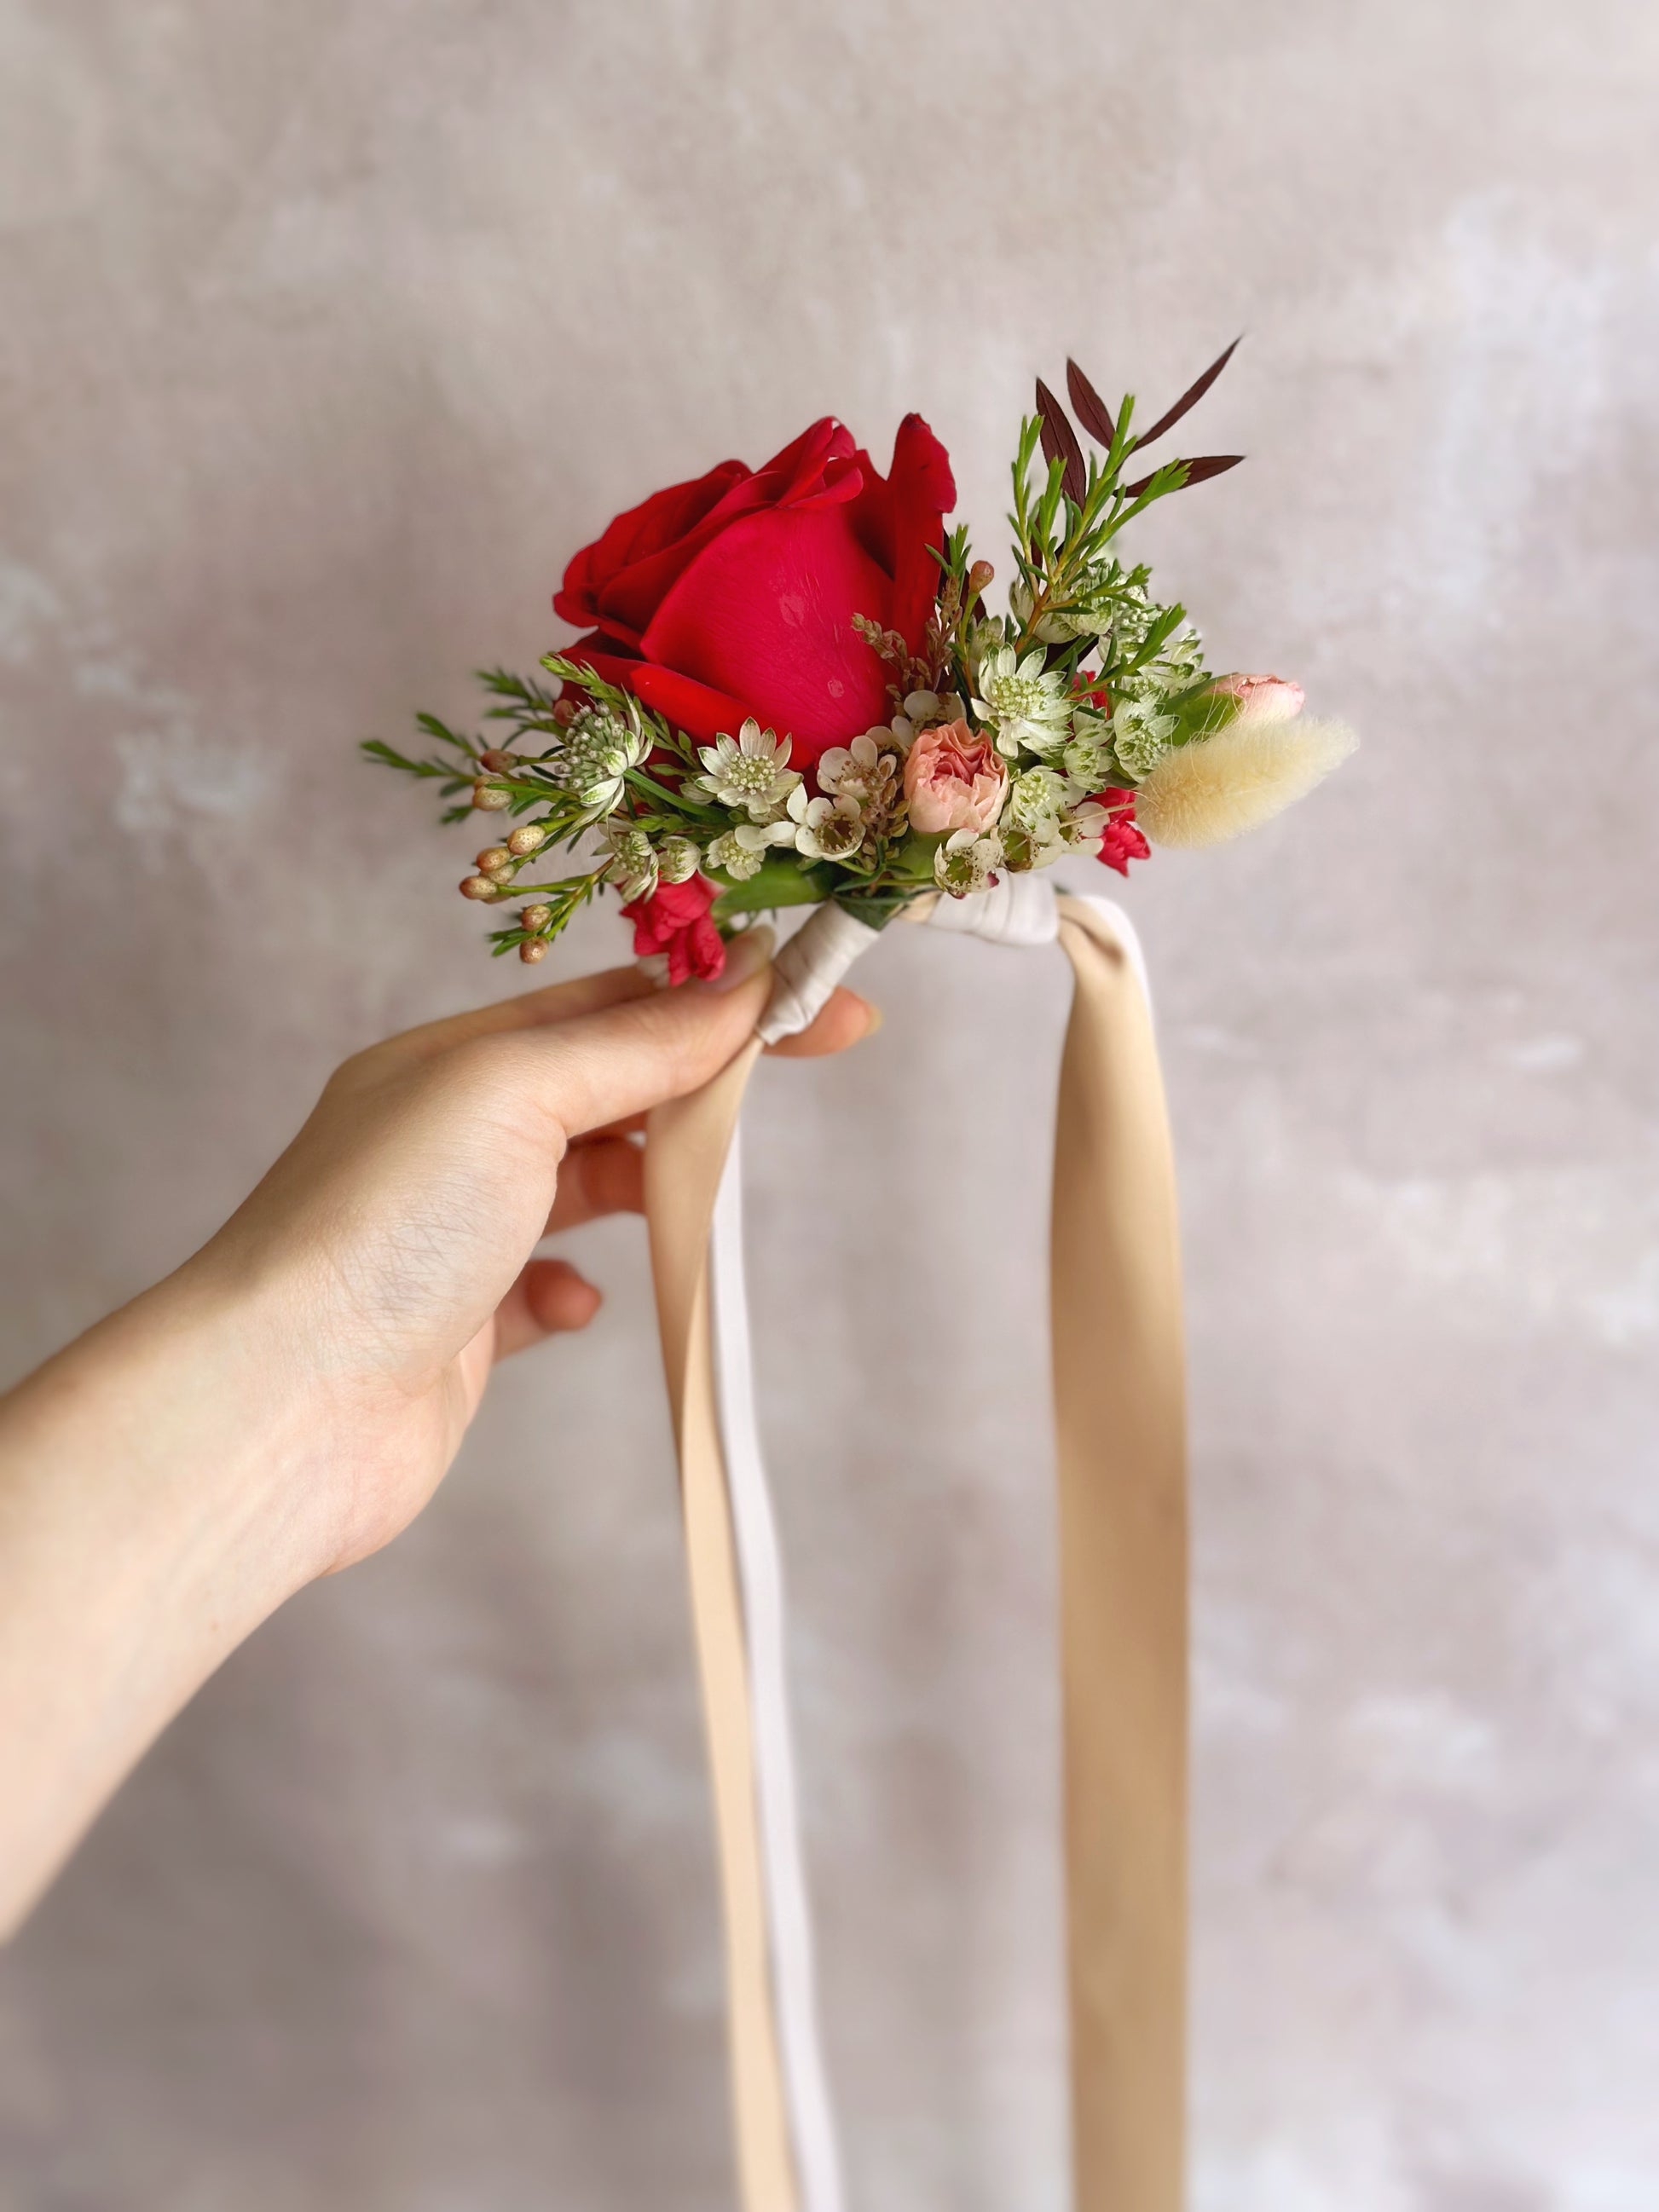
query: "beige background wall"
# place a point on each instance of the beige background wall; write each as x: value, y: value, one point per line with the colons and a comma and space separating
x: 327, y: 332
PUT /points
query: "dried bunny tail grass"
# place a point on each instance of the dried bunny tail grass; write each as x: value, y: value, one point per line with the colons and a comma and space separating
x: 1217, y: 787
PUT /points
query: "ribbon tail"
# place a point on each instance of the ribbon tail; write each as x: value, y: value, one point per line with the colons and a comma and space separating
x: 686, y: 1146
x: 1119, y: 1423
x: 787, y: 2157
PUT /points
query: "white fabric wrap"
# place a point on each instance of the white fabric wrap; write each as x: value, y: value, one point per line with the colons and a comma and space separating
x: 809, y: 968
x: 1020, y: 910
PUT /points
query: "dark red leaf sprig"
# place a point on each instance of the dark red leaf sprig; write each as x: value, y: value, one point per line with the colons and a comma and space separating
x: 1060, y: 440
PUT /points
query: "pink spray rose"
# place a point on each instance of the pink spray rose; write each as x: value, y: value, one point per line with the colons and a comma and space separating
x: 953, y: 780
x: 1263, y: 698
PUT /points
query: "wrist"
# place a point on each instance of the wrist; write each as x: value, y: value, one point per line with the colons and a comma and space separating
x: 153, y: 1512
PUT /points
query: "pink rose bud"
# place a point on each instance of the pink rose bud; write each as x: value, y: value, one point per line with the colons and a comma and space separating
x: 953, y: 779
x: 1263, y: 698
x: 496, y: 759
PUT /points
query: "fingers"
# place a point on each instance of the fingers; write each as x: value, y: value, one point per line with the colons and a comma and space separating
x: 844, y: 1020
x: 549, y: 1298
x: 600, y: 1176
x: 599, y: 1067
x: 610, y: 1046
x: 558, y: 1002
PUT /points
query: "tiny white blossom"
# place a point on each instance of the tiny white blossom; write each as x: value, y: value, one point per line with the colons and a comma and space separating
x: 1085, y: 825
x: 861, y: 770
x: 740, y: 851
x: 966, y: 863
x: 826, y: 828
x: 1022, y: 701
x: 922, y: 710
x: 751, y: 771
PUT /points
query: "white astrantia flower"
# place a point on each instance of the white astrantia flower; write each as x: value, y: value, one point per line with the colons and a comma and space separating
x: 1024, y: 702
x: 632, y: 866
x: 1089, y: 756
x: 740, y: 851
x: 1141, y: 735
x: 1037, y: 801
x: 966, y: 862
x: 751, y: 771
x: 676, y: 859
x: 593, y: 756
x: 826, y: 828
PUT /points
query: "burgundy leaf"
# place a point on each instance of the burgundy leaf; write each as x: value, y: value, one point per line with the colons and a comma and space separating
x: 1060, y: 441
x: 1188, y: 399
x: 1089, y: 407
x: 1199, y: 472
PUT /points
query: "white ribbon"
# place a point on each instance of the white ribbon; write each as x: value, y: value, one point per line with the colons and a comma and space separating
x: 1020, y: 910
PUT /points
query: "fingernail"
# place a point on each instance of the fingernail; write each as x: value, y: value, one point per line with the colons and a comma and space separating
x: 745, y: 956
x: 874, y: 1022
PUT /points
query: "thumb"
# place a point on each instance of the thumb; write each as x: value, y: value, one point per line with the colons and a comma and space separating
x: 600, y: 1067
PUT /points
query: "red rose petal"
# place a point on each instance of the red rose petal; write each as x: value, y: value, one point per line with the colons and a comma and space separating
x: 765, y: 614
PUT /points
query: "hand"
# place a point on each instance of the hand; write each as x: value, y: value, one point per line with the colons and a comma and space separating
x: 389, y: 1249
x: 292, y: 1396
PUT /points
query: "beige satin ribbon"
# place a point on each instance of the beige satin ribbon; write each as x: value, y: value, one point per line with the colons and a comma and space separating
x: 1119, y: 1422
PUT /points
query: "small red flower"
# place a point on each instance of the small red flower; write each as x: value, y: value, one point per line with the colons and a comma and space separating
x: 674, y: 920
x: 1121, y: 842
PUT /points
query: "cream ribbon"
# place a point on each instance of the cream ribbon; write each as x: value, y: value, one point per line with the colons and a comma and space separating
x: 1119, y: 1424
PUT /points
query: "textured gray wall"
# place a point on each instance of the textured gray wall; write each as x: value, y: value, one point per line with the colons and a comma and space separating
x: 327, y: 331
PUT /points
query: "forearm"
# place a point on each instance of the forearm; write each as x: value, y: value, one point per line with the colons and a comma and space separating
x: 156, y: 1504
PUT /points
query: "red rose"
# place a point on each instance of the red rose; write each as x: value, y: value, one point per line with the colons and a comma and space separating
x: 734, y: 595
x: 1121, y: 842
x: 674, y: 920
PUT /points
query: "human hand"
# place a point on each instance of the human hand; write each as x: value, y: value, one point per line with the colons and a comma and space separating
x: 387, y: 1253
x: 291, y: 1398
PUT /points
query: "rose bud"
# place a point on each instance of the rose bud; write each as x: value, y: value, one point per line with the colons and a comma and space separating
x: 478, y: 887
x: 497, y: 759
x: 527, y: 839
x: 1261, y: 698
x: 490, y: 797
x: 535, y: 917
x: 532, y: 950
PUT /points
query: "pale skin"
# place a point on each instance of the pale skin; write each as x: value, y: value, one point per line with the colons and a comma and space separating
x: 288, y: 1400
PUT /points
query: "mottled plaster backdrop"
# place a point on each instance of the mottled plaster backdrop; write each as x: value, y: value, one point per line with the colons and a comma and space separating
x: 326, y: 333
